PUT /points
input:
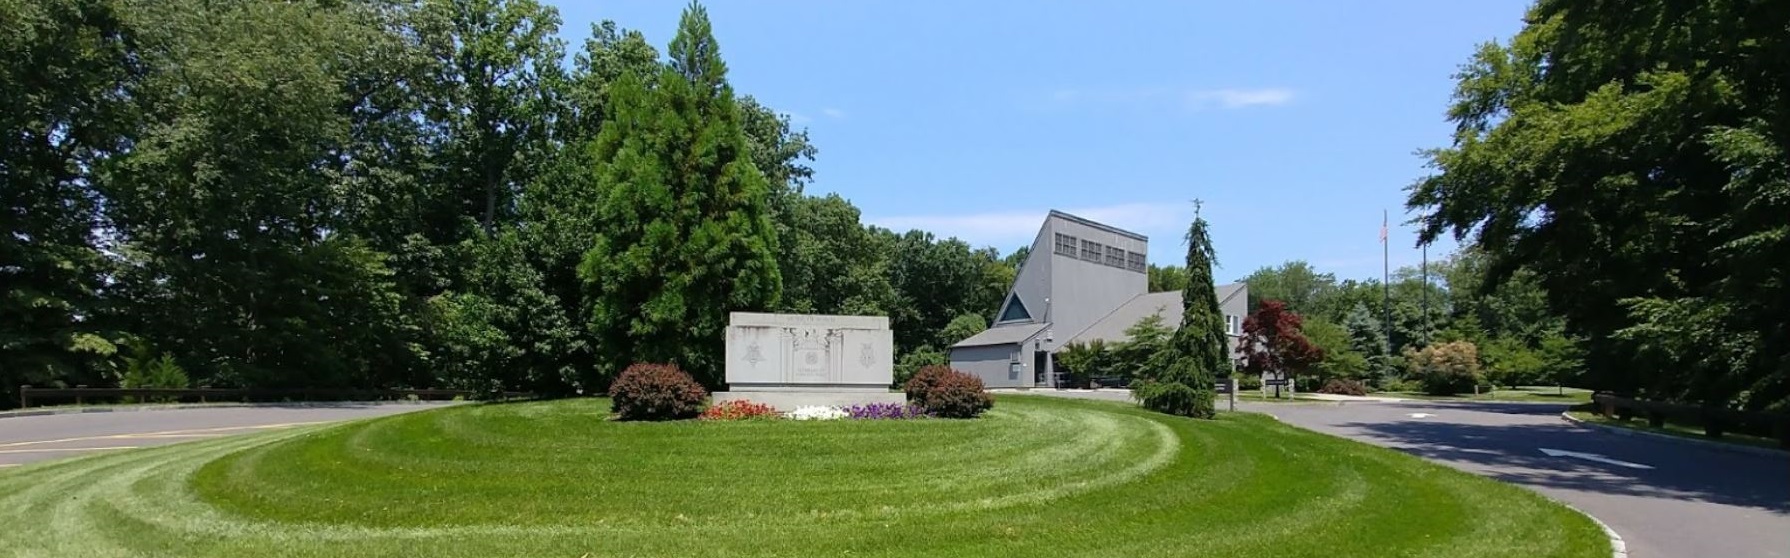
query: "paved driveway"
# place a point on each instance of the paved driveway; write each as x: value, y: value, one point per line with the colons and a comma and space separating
x: 36, y: 438
x: 1666, y: 498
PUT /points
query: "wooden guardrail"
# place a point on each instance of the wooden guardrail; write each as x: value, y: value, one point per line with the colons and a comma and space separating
x: 29, y: 395
x: 1715, y: 421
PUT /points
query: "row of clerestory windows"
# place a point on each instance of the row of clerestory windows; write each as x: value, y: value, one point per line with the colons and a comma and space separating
x: 1088, y: 250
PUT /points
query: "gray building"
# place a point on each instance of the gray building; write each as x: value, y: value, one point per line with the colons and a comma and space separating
x: 1082, y: 281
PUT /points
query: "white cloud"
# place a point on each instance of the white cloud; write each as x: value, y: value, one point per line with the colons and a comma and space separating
x: 833, y: 113
x: 1169, y: 98
x: 1010, y: 229
x: 1240, y: 98
x: 799, y: 118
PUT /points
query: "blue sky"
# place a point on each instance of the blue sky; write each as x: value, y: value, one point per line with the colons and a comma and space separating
x: 1295, y: 122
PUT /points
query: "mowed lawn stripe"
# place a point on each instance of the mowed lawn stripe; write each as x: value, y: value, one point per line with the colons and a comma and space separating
x: 1035, y: 477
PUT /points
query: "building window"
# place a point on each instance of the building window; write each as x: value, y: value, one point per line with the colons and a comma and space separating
x: 1066, y: 245
x: 1016, y: 310
x: 1115, y: 257
x: 1091, y: 251
x: 1134, y: 261
x: 1232, y: 325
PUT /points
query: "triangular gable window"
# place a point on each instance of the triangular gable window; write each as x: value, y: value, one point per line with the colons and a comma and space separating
x: 1016, y: 310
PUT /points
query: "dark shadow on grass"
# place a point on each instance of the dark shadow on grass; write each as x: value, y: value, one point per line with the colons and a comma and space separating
x: 1679, y: 472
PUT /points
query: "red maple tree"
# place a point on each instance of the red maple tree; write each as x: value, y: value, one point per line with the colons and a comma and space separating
x: 1273, y: 341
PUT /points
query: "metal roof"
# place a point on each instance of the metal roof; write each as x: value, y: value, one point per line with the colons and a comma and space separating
x: 1166, y: 304
x: 1002, y: 335
x: 1098, y: 225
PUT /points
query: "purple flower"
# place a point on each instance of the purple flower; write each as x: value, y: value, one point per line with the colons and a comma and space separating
x: 881, y: 411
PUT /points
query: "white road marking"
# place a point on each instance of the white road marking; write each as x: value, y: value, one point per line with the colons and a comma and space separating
x: 1421, y: 415
x: 193, y: 433
x: 1593, y: 457
x: 42, y: 450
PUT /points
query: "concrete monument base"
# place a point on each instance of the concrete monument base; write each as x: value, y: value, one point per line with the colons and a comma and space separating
x: 786, y: 401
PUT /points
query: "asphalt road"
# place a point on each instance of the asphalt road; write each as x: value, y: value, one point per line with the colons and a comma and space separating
x: 37, y: 438
x: 1667, y: 499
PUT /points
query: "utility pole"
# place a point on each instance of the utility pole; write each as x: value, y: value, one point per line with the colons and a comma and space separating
x: 1426, y: 294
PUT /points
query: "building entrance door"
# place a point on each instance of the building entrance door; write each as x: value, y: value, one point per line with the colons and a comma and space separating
x: 1041, y: 373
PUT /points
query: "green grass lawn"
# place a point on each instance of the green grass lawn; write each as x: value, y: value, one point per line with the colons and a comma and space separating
x: 1672, y: 429
x: 1528, y: 394
x: 1036, y: 476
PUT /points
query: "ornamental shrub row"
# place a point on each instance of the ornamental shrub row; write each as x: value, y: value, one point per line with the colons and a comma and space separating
x: 664, y: 392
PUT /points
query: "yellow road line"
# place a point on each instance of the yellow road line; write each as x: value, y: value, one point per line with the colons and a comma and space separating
x: 196, y: 432
x: 41, y: 450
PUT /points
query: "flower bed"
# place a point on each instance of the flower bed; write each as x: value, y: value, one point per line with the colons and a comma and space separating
x: 748, y: 410
x: 885, y: 411
x: 738, y: 410
x: 817, y: 412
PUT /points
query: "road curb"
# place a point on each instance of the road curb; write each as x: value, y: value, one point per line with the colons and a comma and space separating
x: 175, y: 407
x: 1618, y: 547
x: 1718, y: 446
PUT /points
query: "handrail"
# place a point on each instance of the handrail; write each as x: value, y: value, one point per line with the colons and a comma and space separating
x: 1715, y: 421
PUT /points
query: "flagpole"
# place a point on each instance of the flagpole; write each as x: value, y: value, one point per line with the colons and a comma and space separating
x: 1386, y: 275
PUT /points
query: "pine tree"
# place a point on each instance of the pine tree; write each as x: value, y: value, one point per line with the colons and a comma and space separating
x: 1368, y: 336
x: 684, y: 234
x: 1197, y: 354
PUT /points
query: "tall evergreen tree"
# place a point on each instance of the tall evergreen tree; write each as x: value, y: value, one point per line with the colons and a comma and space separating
x: 1197, y: 354
x: 684, y: 234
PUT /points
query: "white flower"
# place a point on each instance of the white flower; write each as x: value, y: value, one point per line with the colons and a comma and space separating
x: 818, y: 412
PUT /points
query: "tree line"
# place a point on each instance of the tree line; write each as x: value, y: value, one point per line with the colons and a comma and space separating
x: 1363, y: 331
x: 411, y: 194
x: 1633, y: 160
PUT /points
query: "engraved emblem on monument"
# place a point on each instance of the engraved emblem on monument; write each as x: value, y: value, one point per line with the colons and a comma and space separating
x: 811, y: 355
x: 866, y: 355
x: 753, y: 356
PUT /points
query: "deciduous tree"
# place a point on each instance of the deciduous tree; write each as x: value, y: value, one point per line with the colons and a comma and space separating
x: 1634, y: 157
x: 1273, y: 342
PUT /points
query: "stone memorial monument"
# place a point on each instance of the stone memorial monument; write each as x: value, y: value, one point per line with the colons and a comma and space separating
x: 794, y: 360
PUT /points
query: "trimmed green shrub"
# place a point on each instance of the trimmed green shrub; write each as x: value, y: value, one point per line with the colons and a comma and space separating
x: 914, y: 360
x: 948, y: 393
x: 1339, y: 386
x: 1173, y: 398
x: 1249, y: 382
x: 1401, y: 385
x: 656, y: 392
